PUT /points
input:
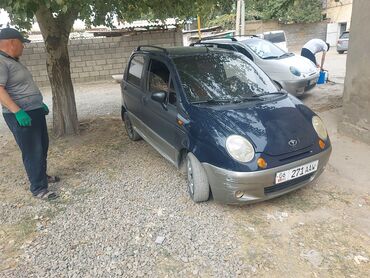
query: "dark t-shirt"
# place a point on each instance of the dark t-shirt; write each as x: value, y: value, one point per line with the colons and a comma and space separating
x: 18, y: 82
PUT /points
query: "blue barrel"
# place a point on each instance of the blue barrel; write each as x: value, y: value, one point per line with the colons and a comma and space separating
x: 322, y: 77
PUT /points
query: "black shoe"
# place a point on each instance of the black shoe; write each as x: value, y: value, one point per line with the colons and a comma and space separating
x: 53, y: 179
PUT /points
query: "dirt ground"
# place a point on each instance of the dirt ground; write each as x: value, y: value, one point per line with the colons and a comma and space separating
x: 322, y: 230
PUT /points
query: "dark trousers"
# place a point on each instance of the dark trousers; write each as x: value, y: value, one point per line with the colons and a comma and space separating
x: 309, y: 55
x: 34, y: 143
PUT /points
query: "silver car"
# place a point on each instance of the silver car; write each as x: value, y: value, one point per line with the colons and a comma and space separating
x: 293, y: 73
x: 342, y: 44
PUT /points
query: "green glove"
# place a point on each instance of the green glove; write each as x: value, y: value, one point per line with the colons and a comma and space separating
x: 46, y: 109
x: 23, y: 118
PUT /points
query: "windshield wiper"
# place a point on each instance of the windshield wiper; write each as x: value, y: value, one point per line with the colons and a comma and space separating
x: 270, y: 57
x: 273, y: 93
x: 288, y: 54
x: 252, y: 98
x: 212, y: 101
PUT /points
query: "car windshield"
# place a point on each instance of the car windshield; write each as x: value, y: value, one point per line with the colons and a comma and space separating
x: 264, y: 49
x: 222, y: 78
x: 344, y: 36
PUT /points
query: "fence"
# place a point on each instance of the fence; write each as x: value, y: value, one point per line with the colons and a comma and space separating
x: 97, y: 58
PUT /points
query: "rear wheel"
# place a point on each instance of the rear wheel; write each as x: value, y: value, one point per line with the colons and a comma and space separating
x: 340, y: 52
x: 132, y: 134
x: 197, y: 180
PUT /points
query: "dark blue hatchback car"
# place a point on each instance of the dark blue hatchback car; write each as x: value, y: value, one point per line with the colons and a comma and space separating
x: 219, y: 117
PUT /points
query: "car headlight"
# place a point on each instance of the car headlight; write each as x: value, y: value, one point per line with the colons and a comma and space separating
x: 295, y: 71
x: 239, y: 148
x: 319, y: 127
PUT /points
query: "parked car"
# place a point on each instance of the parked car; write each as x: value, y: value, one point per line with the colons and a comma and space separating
x: 342, y: 44
x: 293, y: 73
x: 219, y: 117
x: 276, y: 37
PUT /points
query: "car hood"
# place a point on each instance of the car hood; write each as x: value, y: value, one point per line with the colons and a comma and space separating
x: 270, y: 126
x: 304, y: 65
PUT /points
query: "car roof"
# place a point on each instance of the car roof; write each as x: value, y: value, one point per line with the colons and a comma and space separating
x: 229, y: 40
x: 178, y: 50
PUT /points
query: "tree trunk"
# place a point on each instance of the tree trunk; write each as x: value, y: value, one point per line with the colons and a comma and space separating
x: 55, y: 32
x: 65, y: 121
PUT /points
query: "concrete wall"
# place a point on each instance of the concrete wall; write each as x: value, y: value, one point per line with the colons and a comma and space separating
x: 297, y: 34
x: 339, y: 12
x: 98, y: 58
x: 356, y: 97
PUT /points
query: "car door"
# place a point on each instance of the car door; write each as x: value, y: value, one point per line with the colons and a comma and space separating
x: 133, y: 89
x: 165, y: 133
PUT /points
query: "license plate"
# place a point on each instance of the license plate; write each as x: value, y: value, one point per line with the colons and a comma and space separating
x: 296, y: 172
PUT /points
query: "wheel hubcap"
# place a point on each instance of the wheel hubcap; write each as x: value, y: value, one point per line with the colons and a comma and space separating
x: 190, y: 177
x: 129, y: 128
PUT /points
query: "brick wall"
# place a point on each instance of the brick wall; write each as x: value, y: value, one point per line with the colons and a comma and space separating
x: 297, y: 34
x: 98, y: 58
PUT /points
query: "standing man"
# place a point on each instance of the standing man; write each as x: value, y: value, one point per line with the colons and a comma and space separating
x: 315, y: 46
x: 24, y: 112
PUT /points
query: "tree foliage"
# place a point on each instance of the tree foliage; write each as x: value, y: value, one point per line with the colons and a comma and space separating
x: 56, y: 18
x: 102, y: 12
x: 287, y: 11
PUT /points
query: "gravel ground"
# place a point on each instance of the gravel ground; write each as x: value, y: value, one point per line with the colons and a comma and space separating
x: 124, y: 211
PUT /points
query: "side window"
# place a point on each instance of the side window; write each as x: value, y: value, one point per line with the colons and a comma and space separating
x: 172, y: 95
x: 159, y: 76
x: 244, y: 51
x: 159, y: 80
x: 226, y: 46
x: 135, y: 71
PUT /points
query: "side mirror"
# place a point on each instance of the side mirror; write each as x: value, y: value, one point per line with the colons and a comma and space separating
x: 160, y: 97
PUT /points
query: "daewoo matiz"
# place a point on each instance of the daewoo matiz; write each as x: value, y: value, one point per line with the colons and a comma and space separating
x: 217, y: 115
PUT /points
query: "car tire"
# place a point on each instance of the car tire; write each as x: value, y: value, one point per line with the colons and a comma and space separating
x: 132, y: 134
x: 340, y: 52
x: 198, y: 185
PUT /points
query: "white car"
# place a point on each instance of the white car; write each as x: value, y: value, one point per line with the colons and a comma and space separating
x: 276, y: 37
x: 293, y: 73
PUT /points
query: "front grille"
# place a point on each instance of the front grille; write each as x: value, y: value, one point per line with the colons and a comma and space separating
x: 286, y: 185
x: 296, y: 156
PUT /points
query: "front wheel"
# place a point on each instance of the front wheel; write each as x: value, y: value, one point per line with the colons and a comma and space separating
x: 132, y: 134
x: 340, y: 52
x: 197, y: 180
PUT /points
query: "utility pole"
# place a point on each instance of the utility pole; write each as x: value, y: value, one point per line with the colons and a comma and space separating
x: 240, y: 18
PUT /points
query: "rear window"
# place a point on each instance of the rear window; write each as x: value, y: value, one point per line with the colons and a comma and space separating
x: 135, y: 70
x: 274, y: 37
x: 345, y: 36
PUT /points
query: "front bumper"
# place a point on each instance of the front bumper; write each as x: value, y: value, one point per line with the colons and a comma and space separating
x: 342, y: 47
x: 298, y: 87
x: 260, y: 185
